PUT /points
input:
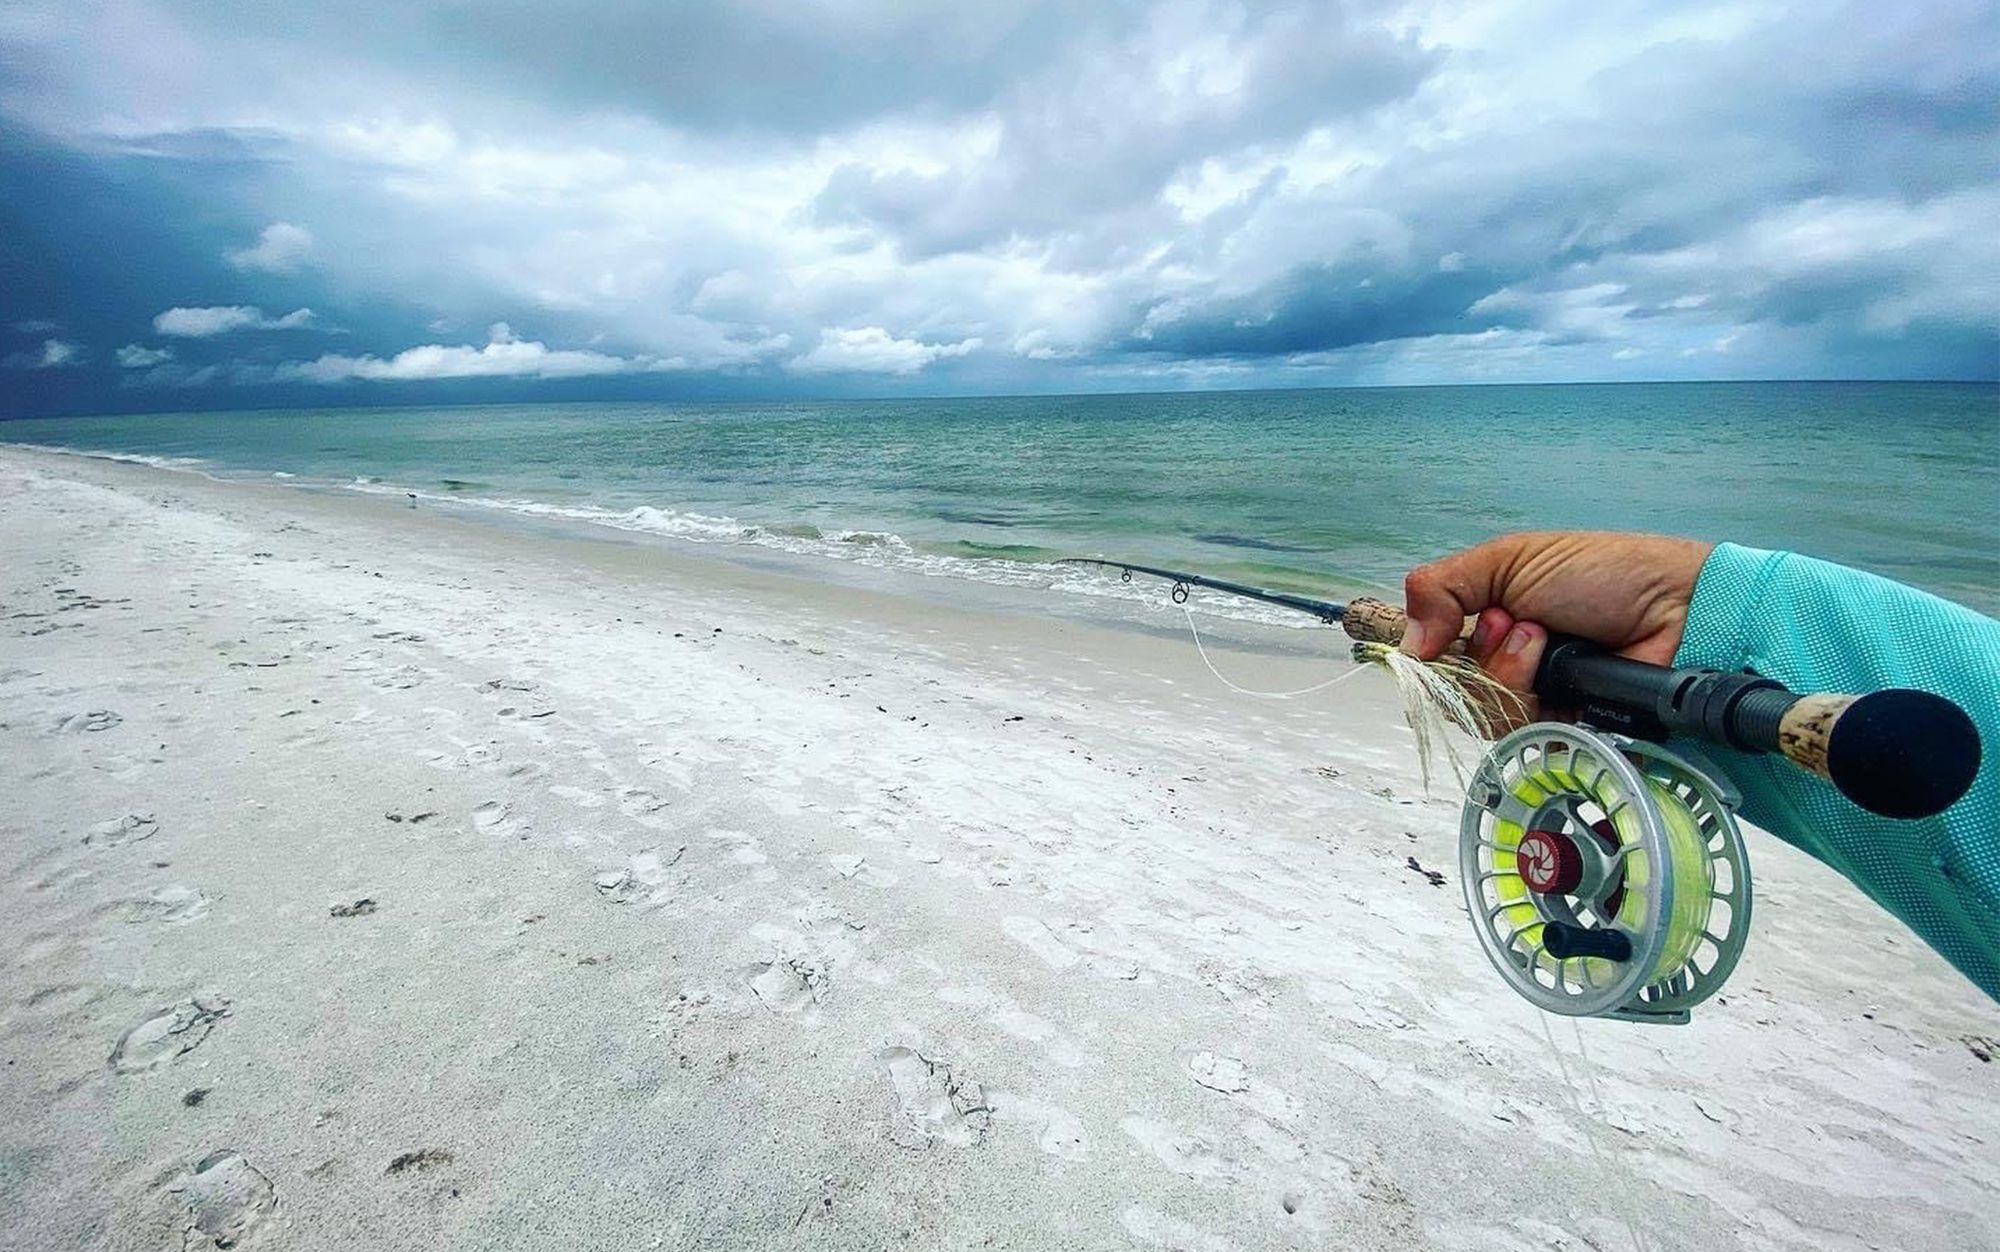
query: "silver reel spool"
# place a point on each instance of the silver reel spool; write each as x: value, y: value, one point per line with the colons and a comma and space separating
x: 1605, y: 876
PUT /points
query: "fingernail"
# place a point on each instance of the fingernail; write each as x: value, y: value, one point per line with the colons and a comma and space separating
x: 1413, y: 636
x: 1517, y: 640
x: 1479, y: 636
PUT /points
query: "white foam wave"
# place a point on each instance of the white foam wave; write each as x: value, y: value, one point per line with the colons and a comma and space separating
x: 128, y: 458
x: 877, y: 549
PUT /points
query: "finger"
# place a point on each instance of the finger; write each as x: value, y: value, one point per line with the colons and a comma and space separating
x: 1439, y: 596
x: 1512, y: 662
x: 1487, y: 632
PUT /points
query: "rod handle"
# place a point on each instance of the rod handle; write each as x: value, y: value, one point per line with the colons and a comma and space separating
x: 1369, y: 620
x: 1900, y: 753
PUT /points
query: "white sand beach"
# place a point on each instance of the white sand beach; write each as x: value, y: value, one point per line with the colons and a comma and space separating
x: 376, y: 878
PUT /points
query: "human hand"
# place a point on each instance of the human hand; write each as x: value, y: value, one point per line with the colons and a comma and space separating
x: 1626, y: 592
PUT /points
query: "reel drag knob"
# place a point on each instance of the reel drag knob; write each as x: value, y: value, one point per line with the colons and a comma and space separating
x: 1550, y: 863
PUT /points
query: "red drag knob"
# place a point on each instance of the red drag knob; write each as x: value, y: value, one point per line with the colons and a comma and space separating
x: 1550, y: 863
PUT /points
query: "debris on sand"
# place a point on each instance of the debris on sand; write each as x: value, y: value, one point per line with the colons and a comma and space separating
x: 421, y: 1159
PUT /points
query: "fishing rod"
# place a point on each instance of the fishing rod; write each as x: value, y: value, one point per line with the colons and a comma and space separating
x: 1325, y: 610
x: 1869, y: 746
x: 1604, y: 871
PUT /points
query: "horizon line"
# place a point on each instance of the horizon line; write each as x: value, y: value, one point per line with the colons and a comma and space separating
x: 1025, y: 395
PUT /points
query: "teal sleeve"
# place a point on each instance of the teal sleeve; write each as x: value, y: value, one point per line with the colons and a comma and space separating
x: 1817, y: 627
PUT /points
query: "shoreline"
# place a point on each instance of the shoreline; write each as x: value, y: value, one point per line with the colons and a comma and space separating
x: 777, y: 911
x: 1030, y: 587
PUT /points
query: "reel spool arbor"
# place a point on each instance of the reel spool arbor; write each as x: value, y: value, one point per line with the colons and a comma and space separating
x: 1605, y: 875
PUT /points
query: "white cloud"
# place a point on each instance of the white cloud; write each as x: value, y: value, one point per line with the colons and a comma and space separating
x: 281, y: 249
x: 137, y: 356
x: 37, y: 326
x: 1064, y: 182
x: 872, y: 350
x: 503, y: 356
x: 212, y: 320
x: 54, y: 354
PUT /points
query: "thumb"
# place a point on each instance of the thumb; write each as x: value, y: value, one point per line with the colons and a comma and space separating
x: 1437, y: 598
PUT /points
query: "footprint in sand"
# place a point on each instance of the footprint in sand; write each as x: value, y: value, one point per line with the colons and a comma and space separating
x: 63, y: 999
x: 1245, y: 986
x: 581, y: 797
x: 1061, y: 1134
x: 169, y: 906
x: 117, y: 831
x: 229, y: 1203
x: 937, y: 1103
x: 174, y: 1030
x: 790, y: 984
x: 1188, y: 1155
x: 1161, y: 1230
x: 402, y: 678
x: 80, y: 723
x: 489, y: 815
x: 639, y: 802
x: 856, y: 867
x: 125, y: 765
x: 1226, y: 1074
x: 1064, y: 1137
x: 1037, y: 938
x: 641, y: 878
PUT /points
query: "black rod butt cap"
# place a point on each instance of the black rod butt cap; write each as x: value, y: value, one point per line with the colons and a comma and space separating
x: 1903, y: 753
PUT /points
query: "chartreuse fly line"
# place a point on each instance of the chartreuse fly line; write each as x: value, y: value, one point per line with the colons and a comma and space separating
x: 1688, y: 863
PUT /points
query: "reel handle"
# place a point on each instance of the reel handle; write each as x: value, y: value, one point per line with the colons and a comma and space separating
x: 1898, y: 753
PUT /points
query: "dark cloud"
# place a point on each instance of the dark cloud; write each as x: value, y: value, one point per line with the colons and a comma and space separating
x: 1321, y: 309
x: 798, y: 195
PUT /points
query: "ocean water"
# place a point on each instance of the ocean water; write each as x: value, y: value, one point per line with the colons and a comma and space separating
x: 1324, y: 491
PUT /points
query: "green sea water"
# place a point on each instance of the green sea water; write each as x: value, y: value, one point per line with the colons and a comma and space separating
x: 1317, y: 491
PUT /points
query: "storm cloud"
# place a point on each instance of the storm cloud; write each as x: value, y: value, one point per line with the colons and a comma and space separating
x: 876, y: 196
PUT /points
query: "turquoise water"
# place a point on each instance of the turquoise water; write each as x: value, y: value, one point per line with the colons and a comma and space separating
x: 1309, y: 490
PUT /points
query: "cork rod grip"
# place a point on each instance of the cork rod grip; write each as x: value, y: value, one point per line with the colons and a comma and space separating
x: 1371, y: 621
x: 1805, y: 733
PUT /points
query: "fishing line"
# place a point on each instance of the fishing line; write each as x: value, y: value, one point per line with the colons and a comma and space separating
x: 1335, y: 681
x: 1590, y: 1135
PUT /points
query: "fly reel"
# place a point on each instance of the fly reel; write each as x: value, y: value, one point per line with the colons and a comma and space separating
x: 1605, y: 875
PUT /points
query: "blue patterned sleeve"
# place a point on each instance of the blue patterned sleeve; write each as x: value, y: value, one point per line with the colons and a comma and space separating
x: 1816, y: 627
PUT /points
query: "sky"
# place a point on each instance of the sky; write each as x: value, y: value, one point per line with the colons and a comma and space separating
x: 234, y: 204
